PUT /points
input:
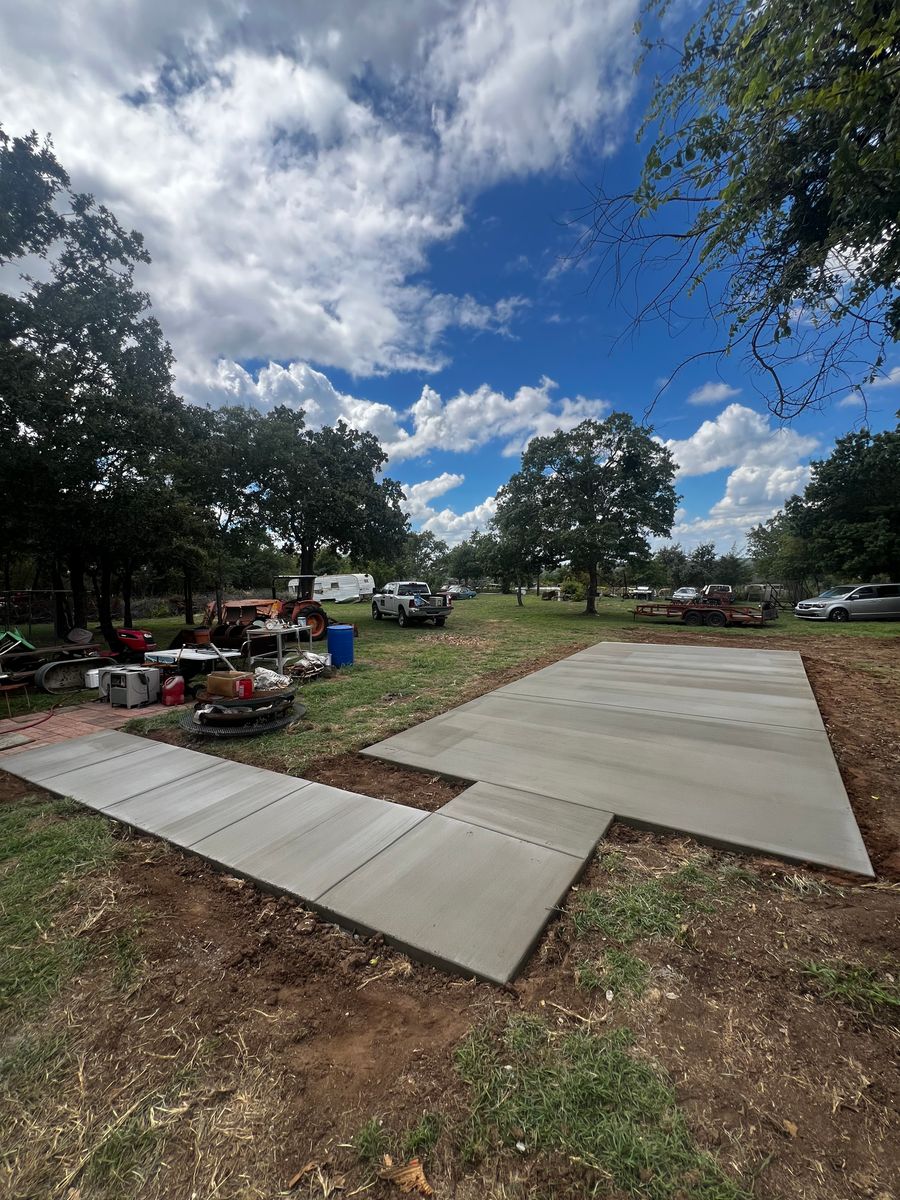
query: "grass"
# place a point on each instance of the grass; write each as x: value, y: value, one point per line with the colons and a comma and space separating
x: 629, y: 912
x: 874, y: 995
x: 371, y: 1141
x: 618, y: 972
x: 43, y: 858
x: 403, y: 675
x: 422, y: 1137
x: 589, y: 1098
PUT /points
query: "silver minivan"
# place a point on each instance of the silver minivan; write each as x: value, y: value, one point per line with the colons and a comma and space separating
x: 853, y: 602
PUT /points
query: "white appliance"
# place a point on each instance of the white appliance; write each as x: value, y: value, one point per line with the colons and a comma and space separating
x: 129, y: 687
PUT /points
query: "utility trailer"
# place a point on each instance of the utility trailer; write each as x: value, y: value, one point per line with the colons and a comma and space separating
x: 704, y: 612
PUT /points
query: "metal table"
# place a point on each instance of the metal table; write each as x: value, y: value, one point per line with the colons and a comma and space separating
x: 191, y: 658
x: 279, y: 635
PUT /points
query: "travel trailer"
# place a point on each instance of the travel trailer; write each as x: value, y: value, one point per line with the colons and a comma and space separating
x: 343, y: 589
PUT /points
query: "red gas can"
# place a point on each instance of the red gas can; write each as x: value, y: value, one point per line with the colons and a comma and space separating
x: 243, y: 688
x: 173, y: 690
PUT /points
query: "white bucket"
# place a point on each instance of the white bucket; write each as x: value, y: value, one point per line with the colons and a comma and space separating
x: 92, y: 678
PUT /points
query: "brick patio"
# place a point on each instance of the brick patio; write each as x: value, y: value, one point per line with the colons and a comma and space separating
x: 74, y: 720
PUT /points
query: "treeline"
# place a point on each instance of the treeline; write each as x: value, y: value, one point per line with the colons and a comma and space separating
x: 845, y: 527
x: 105, y: 474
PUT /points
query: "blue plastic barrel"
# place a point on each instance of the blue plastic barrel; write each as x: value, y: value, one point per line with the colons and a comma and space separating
x: 340, y: 645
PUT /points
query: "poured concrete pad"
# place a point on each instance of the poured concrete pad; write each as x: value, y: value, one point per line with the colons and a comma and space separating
x: 308, y: 841
x: 573, y: 828
x: 765, y: 785
x: 47, y: 761
x: 458, y: 895
x: 102, y: 784
x: 733, y: 691
x: 205, y: 803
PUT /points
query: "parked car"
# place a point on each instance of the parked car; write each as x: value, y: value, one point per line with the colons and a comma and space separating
x: 684, y: 595
x: 853, y: 602
x: 411, y: 602
x: 642, y: 592
x: 717, y: 593
x: 459, y: 592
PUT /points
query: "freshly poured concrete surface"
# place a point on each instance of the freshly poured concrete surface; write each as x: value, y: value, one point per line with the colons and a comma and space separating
x: 740, y: 757
x: 573, y: 828
x: 453, y: 892
x: 310, y: 840
x: 724, y: 744
x: 465, y: 896
x: 46, y: 761
x: 214, y: 799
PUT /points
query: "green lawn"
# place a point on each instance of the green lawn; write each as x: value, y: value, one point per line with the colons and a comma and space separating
x: 402, y: 676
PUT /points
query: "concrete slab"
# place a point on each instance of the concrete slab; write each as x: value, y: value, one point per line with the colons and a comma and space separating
x: 733, y: 694
x: 308, y: 841
x: 112, y: 780
x: 461, y: 896
x: 755, y: 786
x: 545, y: 820
x: 46, y: 761
x: 9, y: 741
x: 205, y: 803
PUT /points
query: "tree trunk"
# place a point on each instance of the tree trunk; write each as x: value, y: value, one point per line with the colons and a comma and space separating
x: 519, y: 593
x: 104, y: 602
x: 79, y: 594
x: 126, y: 595
x: 591, y: 606
x: 307, y: 557
x: 188, y: 597
x: 61, y: 623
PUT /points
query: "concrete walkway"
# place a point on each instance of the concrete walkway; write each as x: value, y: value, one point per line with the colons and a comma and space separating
x: 468, y: 895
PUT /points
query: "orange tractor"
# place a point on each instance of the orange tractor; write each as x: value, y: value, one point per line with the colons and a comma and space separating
x: 237, y: 615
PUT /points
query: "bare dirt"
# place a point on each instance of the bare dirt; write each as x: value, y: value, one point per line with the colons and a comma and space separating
x: 271, y: 1037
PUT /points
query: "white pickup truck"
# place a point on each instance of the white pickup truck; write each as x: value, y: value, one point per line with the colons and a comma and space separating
x: 411, y: 602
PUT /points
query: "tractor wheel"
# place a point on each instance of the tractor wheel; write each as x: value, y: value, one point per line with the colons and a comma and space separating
x: 839, y: 614
x: 376, y: 613
x: 317, y: 623
x: 692, y: 618
x: 402, y: 619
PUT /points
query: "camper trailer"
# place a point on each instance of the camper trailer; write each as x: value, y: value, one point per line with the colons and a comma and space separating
x: 343, y: 589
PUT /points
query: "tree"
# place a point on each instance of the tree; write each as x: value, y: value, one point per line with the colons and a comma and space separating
x: 424, y: 556
x: 674, y: 563
x: 319, y: 487
x: 701, y: 564
x: 517, y: 554
x: 85, y: 377
x: 779, y: 554
x: 463, y: 562
x: 849, y: 514
x: 771, y: 181
x: 594, y: 493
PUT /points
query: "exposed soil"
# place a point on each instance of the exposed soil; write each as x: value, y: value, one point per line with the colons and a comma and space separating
x: 290, y: 1033
x: 386, y: 781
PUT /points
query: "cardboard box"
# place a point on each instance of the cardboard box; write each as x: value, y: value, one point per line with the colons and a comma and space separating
x: 224, y: 683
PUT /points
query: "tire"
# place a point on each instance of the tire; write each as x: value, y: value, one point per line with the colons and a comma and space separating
x: 440, y: 622
x: 692, y: 618
x: 715, y: 619
x: 402, y: 619
x: 317, y: 623
x: 839, y: 614
x: 376, y: 613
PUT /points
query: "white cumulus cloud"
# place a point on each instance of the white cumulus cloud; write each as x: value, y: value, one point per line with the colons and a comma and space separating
x: 466, y: 421
x: 445, y: 523
x: 713, y: 393
x: 766, y: 466
x: 292, y: 164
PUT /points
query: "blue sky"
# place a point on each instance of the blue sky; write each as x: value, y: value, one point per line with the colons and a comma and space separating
x: 360, y: 210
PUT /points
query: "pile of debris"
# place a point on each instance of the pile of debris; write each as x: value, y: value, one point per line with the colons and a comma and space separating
x: 243, y: 704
